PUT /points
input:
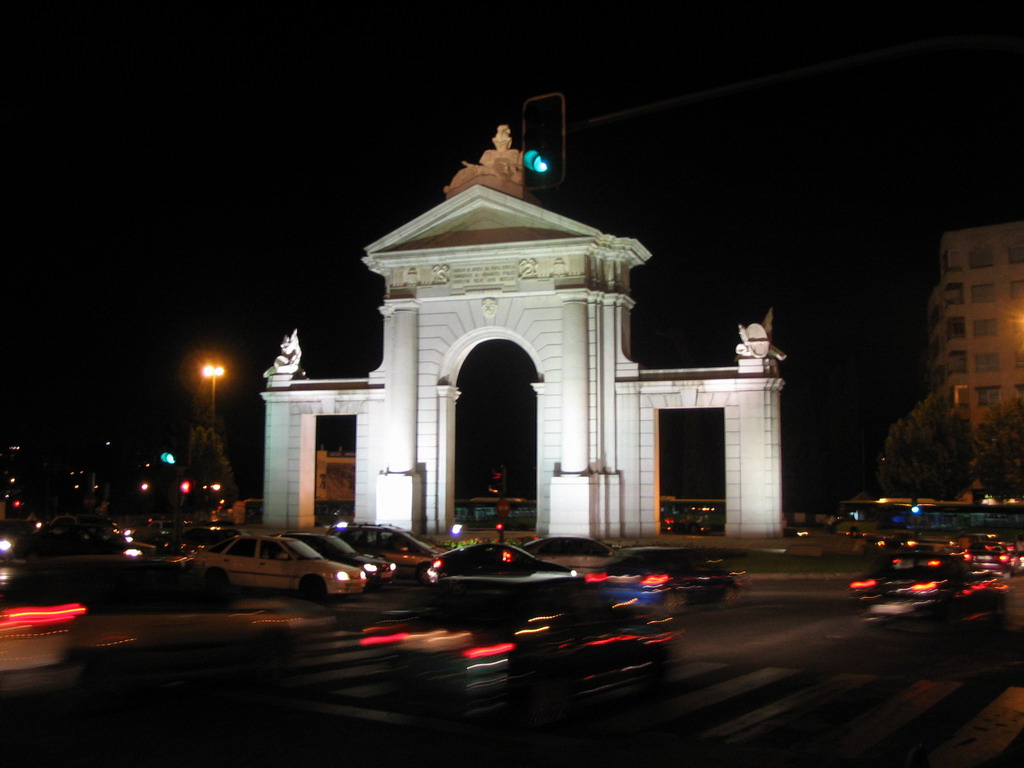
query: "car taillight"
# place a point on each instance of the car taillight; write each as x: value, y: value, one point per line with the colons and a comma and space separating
x: 436, y: 565
x: 488, y: 650
x: 927, y: 586
x: 654, y: 580
x: 968, y: 556
x: 595, y: 578
x: 383, y: 639
x: 1004, y: 558
x: 37, y: 616
x: 865, y: 584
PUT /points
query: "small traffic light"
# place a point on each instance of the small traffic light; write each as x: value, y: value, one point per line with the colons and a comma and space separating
x: 544, y: 141
x: 186, y: 486
x: 167, y: 457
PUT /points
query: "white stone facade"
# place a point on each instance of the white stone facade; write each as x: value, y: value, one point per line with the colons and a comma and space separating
x: 485, y: 265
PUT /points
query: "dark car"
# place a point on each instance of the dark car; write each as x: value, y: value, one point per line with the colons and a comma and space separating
x: 519, y: 646
x: 61, y: 539
x: 203, y: 536
x: 670, y: 576
x: 378, y: 570
x: 411, y: 555
x: 11, y: 532
x: 994, y: 558
x: 491, y: 560
x: 104, y: 623
x: 918, y: 584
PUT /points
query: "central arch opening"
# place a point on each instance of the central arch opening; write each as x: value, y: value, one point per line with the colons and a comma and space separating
x: 496, y: 435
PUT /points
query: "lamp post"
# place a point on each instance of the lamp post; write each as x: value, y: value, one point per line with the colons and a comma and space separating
x: 213, y: 372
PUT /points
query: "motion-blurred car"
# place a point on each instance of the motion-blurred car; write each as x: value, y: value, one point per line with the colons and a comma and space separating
x: 490, y: 560
x: 579, y: 552
x: 411, y: 556
x: 528, y: 646
x: 927, y: 585
x: 62, y: 539
x: 11, y: 531
x: 673, y: 577
x: 378, y: 570
x: 104, y: 623
x: 277, y: 563
x: 202, y: 536
x: 994, y: 558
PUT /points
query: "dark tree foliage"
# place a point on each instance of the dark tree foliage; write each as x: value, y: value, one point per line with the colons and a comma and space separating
x: 210, y: 466
x: 999, y: 448
x: 927, y: 454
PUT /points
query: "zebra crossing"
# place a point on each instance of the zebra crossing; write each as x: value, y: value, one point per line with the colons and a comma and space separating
x: 844, y: 717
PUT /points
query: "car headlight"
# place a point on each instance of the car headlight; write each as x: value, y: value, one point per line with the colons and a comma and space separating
x: 341, y: 576
x: 5, y: 545
x: 369, y: 567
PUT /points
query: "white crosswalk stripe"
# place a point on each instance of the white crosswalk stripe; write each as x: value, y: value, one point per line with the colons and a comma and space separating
x: 985, y: 736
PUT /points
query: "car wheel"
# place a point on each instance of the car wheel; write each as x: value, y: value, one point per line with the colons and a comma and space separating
x: 313, y: 588
x: 673, y: 600
x: 217, y: 580
x: 546, y: 702
x: 731, y: 597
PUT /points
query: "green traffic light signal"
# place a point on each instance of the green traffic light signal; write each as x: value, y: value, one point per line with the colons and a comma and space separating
x: 544, y: 141
x: 167, y: 457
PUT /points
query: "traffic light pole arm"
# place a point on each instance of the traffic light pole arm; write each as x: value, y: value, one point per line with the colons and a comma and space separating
x: 968, y: 42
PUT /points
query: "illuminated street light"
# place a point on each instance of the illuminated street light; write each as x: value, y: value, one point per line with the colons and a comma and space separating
x: 213, y: 372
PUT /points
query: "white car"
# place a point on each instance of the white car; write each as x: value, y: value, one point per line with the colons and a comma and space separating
x: 102, y: 623
x: 277, y: 563
x: 579, y: 552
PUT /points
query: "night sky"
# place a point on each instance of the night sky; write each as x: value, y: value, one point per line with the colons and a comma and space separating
x: 193, y: 185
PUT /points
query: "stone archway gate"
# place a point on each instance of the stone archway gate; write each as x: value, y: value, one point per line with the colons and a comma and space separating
x: 486, y: 265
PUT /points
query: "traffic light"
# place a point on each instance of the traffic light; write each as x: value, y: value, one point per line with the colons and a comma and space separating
x: 544, y: 141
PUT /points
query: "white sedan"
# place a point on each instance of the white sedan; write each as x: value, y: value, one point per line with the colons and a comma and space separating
x: 579, y: 552
x: 278, y: 563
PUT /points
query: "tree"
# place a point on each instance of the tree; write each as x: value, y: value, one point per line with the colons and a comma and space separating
x: 999, y: 447
x: 928, y: 453
x: 208, y: 467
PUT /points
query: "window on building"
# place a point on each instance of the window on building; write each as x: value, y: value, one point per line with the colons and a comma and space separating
x: 988, y: 395
x: 980, y: 257
x: 957, y: 361
x: 1016, y: 254
x: 986, y: 361
x: 983, y: 292
x: 950, y: 260
x: 955, y: 328
x: 954, y: 293
x: 986, y: 327
x: 960, y: 394
x: 1020, y: 390
x: 1017, y: 289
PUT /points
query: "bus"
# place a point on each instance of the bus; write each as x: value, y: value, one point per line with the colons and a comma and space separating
x: 482, y: 512
x: 692, y: 516
x: 869, y: 516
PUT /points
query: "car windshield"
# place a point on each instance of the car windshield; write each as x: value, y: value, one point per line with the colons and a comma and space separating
x: 340, y: 545
x: 302, y: 550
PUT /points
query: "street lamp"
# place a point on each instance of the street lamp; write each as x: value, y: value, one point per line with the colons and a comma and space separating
x: 213, y: 372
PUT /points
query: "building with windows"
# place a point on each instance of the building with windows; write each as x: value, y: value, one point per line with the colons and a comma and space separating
x: 976, y: 318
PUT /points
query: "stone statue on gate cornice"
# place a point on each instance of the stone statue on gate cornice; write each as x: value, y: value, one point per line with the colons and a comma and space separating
x: 757, y: 341
x: 288, y: 361
x: 500, y: 168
